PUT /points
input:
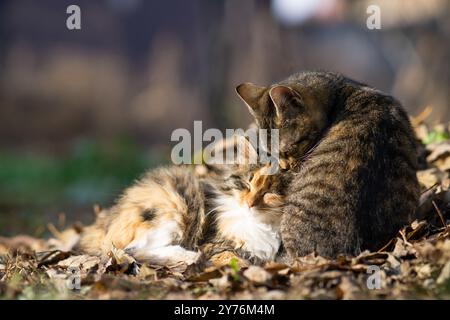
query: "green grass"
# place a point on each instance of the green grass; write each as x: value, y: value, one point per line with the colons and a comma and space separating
x: 436, y: 136
x: 90, y: 173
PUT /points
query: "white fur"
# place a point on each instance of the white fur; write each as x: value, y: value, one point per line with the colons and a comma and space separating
x: 159, y: 236
x: 168, y: 255
x: 249, y: 227
x: 156, y: 246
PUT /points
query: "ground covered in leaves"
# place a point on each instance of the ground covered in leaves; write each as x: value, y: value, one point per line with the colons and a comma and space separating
x: 413, y: 265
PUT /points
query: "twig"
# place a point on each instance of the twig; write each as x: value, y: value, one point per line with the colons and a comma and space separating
x: 387, y: 245
x: 404, y: 238
x: 440, y: 214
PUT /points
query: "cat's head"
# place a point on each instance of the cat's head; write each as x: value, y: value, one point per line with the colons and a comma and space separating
x: 298, y: 107
x: 254, y: 187
x: 246, y: 182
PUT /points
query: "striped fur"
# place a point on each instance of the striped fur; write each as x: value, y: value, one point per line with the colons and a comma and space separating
x: 352, y: 153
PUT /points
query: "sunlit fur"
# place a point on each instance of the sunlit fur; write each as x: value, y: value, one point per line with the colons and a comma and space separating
x: 352, y: 154
x: 245, y: 213
x: 159, y: 219
x: 162, y: 219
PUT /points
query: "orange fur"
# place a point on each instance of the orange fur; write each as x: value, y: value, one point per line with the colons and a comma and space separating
x: 124, y: 224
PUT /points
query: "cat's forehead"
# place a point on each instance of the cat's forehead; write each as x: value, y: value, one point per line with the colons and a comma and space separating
x: 262, y: 176
x: 260, y: 181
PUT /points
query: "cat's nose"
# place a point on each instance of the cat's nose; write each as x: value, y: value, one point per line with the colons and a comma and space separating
x: 250, y: 203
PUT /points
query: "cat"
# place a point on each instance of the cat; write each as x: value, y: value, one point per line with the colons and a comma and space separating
x: 245, y: 210
x: 173, y: 213
x: 351, y: 152
x: 159, y: 219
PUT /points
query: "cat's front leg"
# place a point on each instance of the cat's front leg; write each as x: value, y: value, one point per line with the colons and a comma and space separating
x: 160, y: 245
x: 294, y: 241
x: 165, y: 256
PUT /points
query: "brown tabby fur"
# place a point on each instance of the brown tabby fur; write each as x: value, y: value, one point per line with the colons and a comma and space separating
x: 352, y: 152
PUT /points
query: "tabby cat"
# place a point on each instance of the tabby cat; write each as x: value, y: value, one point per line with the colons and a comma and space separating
x: 351, y: 150
x: 172, y: 213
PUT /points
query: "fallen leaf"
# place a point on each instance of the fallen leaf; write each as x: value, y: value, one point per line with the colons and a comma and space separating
x: 120, y: 261
x: 51, y: 257
x: 257, y: 274
x: 430, y: 177
x: 441, y: 150
x: 445, y: 274
x: 83, y: 262
x: 221, y: 283
x: 224, y: 258
x: 21, y: 243
x: 65, y: 240
x: 205, y: 276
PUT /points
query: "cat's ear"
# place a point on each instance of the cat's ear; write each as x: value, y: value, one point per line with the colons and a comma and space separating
x: 250, y: 94
x: 287, y: 102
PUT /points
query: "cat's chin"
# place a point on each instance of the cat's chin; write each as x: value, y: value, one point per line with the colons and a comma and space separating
x: 247, y: 228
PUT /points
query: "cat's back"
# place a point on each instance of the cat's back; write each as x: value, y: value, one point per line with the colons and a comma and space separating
x: 358, y: 185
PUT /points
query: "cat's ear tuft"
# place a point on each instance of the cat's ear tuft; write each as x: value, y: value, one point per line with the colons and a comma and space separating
x: 250, y: 94
x: 286, y: 101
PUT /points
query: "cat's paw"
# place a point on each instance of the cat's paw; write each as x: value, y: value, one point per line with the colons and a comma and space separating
x: 168, y: 255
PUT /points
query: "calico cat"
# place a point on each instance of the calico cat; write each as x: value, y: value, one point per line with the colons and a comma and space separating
x: 351, y: 150
x: 159, y: 219
x: 172, y: 213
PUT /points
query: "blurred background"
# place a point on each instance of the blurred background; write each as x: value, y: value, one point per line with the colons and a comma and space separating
x: 84, y: 112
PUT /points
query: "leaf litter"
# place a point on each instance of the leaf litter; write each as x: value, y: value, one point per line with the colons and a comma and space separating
x: 413, y: 265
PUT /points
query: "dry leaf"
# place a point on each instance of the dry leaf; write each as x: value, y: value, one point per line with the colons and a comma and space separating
x: 257, y: 274
x: 223, y: 259
x: 65, y: 240
x: 205, y: 276
x: 51, y: 257
x: 428, y: 178
x: 83, y: 262
x: 121, y: 262
x: 21, y: 243
x: 441, y: 150
x: 221, y: 283
x: 445, y: 274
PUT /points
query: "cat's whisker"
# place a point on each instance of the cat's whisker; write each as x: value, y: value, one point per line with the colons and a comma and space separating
x: 212, y: 210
